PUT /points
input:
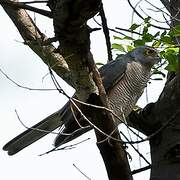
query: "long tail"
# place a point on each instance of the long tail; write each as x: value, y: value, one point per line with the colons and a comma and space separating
x: 62, y: 118
x: 38, y: 131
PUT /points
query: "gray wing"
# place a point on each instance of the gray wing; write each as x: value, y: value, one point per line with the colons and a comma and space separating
x: 112, y: 73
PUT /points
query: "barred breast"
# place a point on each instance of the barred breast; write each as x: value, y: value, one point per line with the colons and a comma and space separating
x: 128, y: 90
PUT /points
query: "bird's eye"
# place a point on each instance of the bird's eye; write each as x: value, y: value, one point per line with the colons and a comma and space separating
x: 149, y: 52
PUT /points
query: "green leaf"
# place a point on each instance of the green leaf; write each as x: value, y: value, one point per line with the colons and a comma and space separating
x: 163, y: 34
x: 146, y: 20
x: 145, y: 30
x: 172, y: 56
x: 124, y: 38
x: 128, y: 38
x: 156, y: 44
x: 118, y: 47
x: 134, y: 26
x: 139, y: 42
x: 148, y: 37
x: 130, y: 48
x: 171, y: 68
x: 166, y: 40
x: 175, y: 31
x: 117, y: 37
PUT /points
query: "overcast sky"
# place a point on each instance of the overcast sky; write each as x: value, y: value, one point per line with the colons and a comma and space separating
x: 21, y: 64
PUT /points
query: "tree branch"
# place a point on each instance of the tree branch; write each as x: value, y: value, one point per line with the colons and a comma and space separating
x: 134, y: 9
x: 166, y: 4
x: 106, y: 33
x: 21, y: 5
x: 33, y: 38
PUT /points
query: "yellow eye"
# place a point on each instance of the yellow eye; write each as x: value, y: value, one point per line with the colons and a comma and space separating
x: 149, y: 52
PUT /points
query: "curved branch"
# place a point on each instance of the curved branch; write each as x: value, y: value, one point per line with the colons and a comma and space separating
x: 158, y: 27
x: 33, y: 38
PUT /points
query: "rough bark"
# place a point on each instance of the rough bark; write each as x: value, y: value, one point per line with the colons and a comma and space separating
x: 165, y: 144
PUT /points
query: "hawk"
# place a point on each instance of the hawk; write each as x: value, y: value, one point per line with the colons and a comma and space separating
x: 124, y: 80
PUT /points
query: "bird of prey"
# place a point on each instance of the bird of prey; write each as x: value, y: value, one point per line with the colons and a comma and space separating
x: 124, y: 80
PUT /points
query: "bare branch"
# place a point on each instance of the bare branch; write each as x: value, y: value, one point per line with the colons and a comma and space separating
x: 24, y: 87
x: 172, y: 17
x: 141, y: 169
x: 134, y: 9
x: 81, y: 172
x: 106, y: 33
x: 35, y: 2
x: 110, y: 29
x: 109, y: 110
x: 141, y: 155
x: 21, y: 5
x: 128, y: 30
x: 68, y: 147
x: 36, y: 129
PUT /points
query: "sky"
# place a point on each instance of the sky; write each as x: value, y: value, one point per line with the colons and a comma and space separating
x: 26, y: 68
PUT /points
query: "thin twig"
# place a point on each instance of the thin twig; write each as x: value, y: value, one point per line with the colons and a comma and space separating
x: 81, y: 172
x: 36, y: 129
x: 128, y: 30
x: 152, y: 17
x: 72, y: 110
x: 46, y: 131
x: 166, y: 4
x: 141, y: 169
x: 68, y: 147
x: 110, y: 29
x: 24, y: 87
x: 106, y: 32
x: 134, y: 9
x: 172, y: 17
x: 34, y: 2
x: 109, y: 110
x: 136, y: 149
x: 51, y: 132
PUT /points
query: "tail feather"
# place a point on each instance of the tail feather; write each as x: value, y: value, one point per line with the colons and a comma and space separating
x: 71, y: 132
x: 33, y: 134
x: 62, y: 118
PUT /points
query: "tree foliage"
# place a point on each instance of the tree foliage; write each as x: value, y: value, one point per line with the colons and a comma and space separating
x: 162, y: 39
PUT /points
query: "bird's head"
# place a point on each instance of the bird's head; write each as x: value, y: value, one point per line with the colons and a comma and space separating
x: 146, y: 55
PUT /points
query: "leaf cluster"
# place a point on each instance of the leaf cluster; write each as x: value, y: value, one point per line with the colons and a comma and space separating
x: 144, y: 34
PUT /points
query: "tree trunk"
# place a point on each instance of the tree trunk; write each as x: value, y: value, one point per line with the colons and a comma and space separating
x: 73, y: 34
